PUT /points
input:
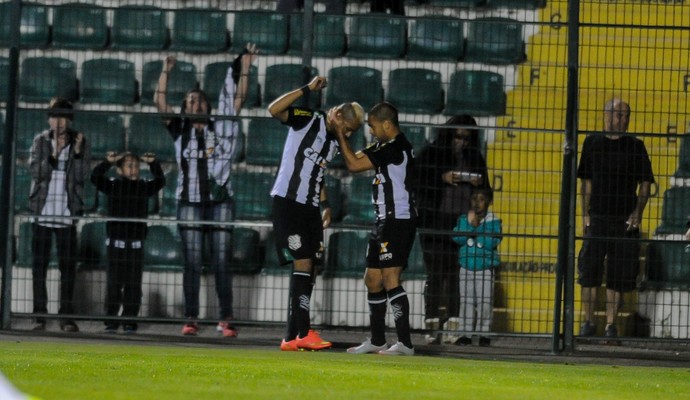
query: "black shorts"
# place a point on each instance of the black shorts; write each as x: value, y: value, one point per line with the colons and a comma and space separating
x: 390, y: 243
x: 298, y: 231
x: 602, y: 242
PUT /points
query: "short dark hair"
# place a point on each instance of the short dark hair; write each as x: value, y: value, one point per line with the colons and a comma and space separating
x: 125, y: 156
x: 59, y: 107
x: 385, y: 111
x: 486, y: 191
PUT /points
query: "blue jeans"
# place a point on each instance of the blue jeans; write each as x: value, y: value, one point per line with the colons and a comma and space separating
x: 219, y: 251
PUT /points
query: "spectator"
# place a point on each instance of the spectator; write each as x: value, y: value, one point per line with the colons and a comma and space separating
x: 394, y: 230
x: 335, y: 7
x: 205, y: 150
x: 297, y: 192
x: 448, y: 171
x: 616, y: 175
x: 59, y: 166
x: 128, y: 197
x: 480, y: 234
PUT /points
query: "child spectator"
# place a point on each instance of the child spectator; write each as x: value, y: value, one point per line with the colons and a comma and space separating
x: 128, y: 197
x: 480, y: 235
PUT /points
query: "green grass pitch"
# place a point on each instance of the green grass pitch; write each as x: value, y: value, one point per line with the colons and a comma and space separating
x: 123, y: 371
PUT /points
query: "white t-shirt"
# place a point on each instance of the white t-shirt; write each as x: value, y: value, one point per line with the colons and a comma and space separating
x: 57, y: 203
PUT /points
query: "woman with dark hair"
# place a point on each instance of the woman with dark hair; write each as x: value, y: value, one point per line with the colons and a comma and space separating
x: 205, y: 150
x: 448, y: 170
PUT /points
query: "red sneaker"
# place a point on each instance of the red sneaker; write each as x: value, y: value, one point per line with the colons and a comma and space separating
x: 190, y: 329
x: 226, y: 329
x: 312, y: 341
x: 290, y: 345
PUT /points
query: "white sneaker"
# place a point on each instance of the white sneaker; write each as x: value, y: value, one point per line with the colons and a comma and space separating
x: 367, y: 347
x: 452, y: 325
x: 398, y: 349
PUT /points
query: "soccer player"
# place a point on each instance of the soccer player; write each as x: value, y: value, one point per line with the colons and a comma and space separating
x: 394, y: 229
x: 297, y: 194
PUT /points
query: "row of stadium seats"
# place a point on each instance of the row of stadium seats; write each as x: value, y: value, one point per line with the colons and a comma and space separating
x: 163, y: 250
x: 114, y: 81
x: 491, y: 40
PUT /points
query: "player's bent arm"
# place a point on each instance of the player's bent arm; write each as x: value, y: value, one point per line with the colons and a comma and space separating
x: 279, y: 107
x: 355, y: 162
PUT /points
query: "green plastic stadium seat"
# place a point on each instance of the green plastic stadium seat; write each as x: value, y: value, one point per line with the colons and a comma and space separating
x: 92, y: 246
x: 495, y: 40
x: 478, y: 93
x: 334, y: 191
x: 199, y: 31
x: 683, y: 170
x: 267, y: 29
x: 182, y: 79
x: 348, y: 83
x: 80, y: 26
x: 377, y: 36
x: 29, y: 124
x: 4, y: 73
x: 358, y: 207
x: 329, y: 35
x: 674, y: 211
x: 416, y: 134
x: 147, y: 134
x: 436, y: 39
x: 214, y: 78
x: 415, y: 90
x: 667, y: 265
x: 34, y: 29
x: 345, y: 256
x: 139, y: 28
x: 106, y: 132
x: 252, y: 195
x: 45, y: 77
x: 516, y: 4
x: 282, y: 78
x: 22, y: 188
x: 415, y: 262
x: 246, y: 254
x: 265, y: 141
x: 108, y: 81
x: 163, y: 248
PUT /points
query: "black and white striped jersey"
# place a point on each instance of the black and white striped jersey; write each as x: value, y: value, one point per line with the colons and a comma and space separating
x: 308, y: 150
x: 392, y: 194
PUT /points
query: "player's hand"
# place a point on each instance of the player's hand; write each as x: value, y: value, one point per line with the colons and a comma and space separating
x: 169, y: 63
x: 318, y: 83
x: 148, y: 158
x: 251, y: 56
x: 326, y: 217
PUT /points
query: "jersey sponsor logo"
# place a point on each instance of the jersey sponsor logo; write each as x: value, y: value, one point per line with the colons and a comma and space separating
x: 314, y: 156
x: 193, y: 154
x: 303, y: 113
x: 294, y: 242
x: 384, y: 254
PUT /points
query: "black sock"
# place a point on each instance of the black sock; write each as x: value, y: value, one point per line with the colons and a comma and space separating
x: 400, y: 306
x: 377, y: 317
x: 300, y: 298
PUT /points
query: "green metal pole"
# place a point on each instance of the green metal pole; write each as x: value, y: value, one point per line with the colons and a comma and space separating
x: 6, y: 196
x: 564, y: 296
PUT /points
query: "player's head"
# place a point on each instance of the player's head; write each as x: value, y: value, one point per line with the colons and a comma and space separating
x: 383, y: 121
x: 348, y: 116
x: 196, y: 104
x: 480, y: 199
x: 128, y: 166
x: 60, y: 114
